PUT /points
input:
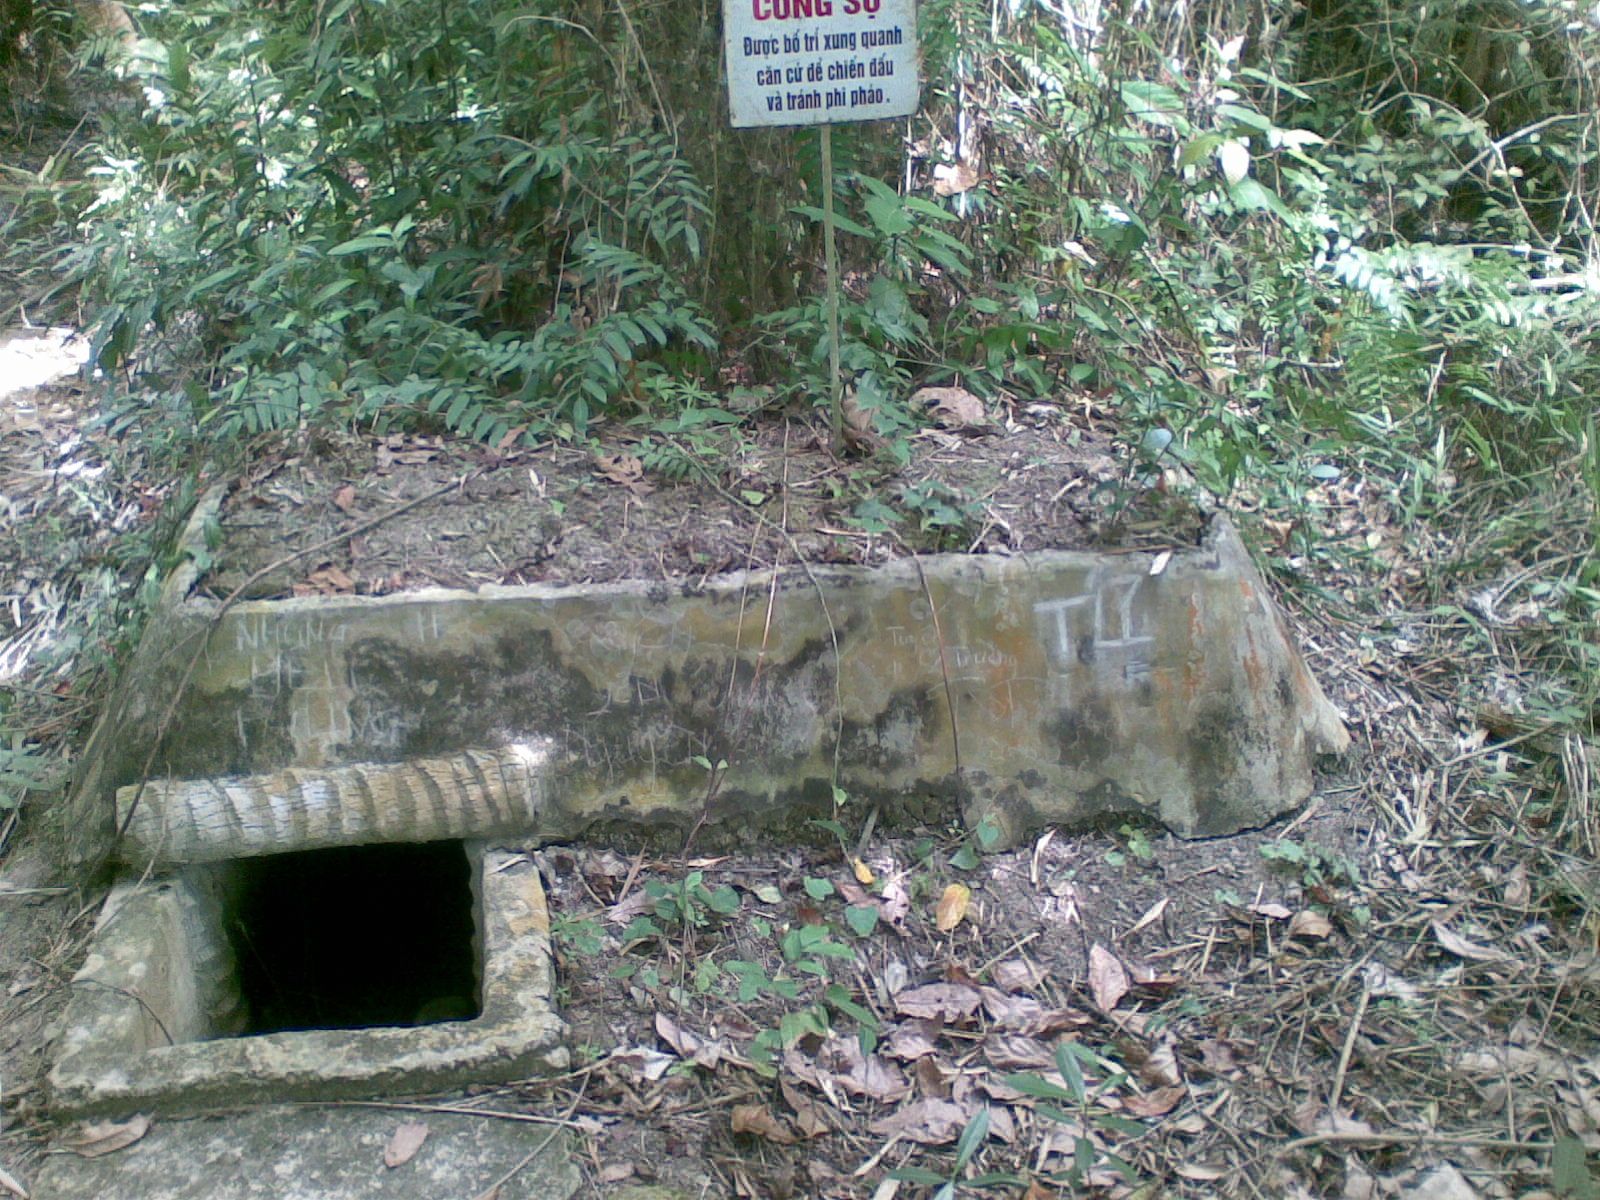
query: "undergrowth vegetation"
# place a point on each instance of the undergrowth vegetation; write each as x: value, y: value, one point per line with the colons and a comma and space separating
x: 1325, y: 245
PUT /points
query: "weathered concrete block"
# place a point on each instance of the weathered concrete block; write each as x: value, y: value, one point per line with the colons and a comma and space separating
x: 155, y: 1008
x: 1056, y: 687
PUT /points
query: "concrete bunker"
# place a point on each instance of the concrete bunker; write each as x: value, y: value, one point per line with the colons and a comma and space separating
x: 1081, y: 684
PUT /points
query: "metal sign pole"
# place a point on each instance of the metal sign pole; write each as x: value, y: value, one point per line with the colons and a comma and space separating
x: 831, y: 252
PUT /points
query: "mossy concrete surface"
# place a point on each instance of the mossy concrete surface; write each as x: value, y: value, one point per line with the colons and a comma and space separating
x: 316, y: 1152
x: 1058, y: 687
x: 156, y: 1006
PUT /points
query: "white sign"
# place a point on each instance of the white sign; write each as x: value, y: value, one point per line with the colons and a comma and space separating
x: 816, y: 62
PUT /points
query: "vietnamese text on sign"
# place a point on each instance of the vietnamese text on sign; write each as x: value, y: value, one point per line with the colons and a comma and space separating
x: 809, y: 62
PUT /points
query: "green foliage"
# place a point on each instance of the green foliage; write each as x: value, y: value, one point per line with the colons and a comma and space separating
x: 1315, y: 865
x: 945, y: 1186
x: 24, y: 769
x: 394, y: 214
x: 583, y: 935
x: 1072, y: 1097
x: 1135, y: 844
x: 1569, y: 1170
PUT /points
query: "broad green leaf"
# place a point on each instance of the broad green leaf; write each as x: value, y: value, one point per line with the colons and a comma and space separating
x: 1245, y: 116
x: 862, y: 919
x: 1043, y: 1089
x: 972, y: 1137
x: 840, y: 222
x: 1067, y: 1064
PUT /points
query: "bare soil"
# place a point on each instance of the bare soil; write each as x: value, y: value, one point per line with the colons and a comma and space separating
x: 754, y: 496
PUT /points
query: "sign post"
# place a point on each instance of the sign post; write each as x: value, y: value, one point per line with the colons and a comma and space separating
x: 820, y: 62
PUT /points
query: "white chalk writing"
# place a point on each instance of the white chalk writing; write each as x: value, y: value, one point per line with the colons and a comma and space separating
x: 1113, y: 627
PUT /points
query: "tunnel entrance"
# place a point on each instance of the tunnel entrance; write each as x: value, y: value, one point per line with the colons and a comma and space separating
x: 355, y: 937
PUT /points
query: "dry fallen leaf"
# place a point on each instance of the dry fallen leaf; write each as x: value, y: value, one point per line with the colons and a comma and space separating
x: 1271, y: 910
x: 1462, y: 948
x: 1444, y: 1182
x: 1108, y: 980
x: 345, y: 497
x: 950, y: 179
x: 932, y: 1122
x: 1157, y: 1065
x: 952, y: 907
x: 625, y: 469
x: 1151, y: 916
x: 895, y: 901
x: 1311, y: 1118
x: 1020, y: 1014
x: 952, y: 407
x: 759, y: 1120
x: 859, y: 430
x: 949, y: 1002
x: 333, y: 578
x: 1015, y: 1052
x: 646, y: 1061
x: 1157, y: 1103
x: 909, y: 1041
x: 840, y: 1063
x: 404, y: 1144
x: 1518, y: 892
x: 689, y: 1046
x: 1308, y: 923
x: 93, y: 1139
x: 809, y: 1116
x: 1016, y: 975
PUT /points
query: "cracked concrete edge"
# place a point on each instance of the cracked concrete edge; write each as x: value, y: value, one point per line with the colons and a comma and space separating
x: 132, y: 993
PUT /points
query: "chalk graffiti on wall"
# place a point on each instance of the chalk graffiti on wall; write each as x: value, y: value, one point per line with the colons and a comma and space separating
x: 1099, y: 629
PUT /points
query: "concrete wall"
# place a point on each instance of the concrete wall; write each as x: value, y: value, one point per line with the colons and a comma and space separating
x: 1048, y: 688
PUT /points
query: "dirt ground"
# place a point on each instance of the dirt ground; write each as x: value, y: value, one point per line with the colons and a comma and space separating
x: 756, y: 495
x: 1390, y: 993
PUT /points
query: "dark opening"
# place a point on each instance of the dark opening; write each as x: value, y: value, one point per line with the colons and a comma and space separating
x: 349, y: 938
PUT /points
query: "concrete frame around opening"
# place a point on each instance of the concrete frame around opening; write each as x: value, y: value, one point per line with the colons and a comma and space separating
x: 146, y: 1028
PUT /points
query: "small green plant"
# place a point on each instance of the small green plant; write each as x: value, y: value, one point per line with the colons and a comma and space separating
x: 1135, y: 844
x: 23, y: 769
x: 807, y: 948
x: 681, y: 908
x: 1077, y: 1067
x: 946, y: 1184
x: 941, y: 511
x: 581, y: 936
x: 1569, y: 1171
x: 1316, y: 865
x: 981, y: 839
